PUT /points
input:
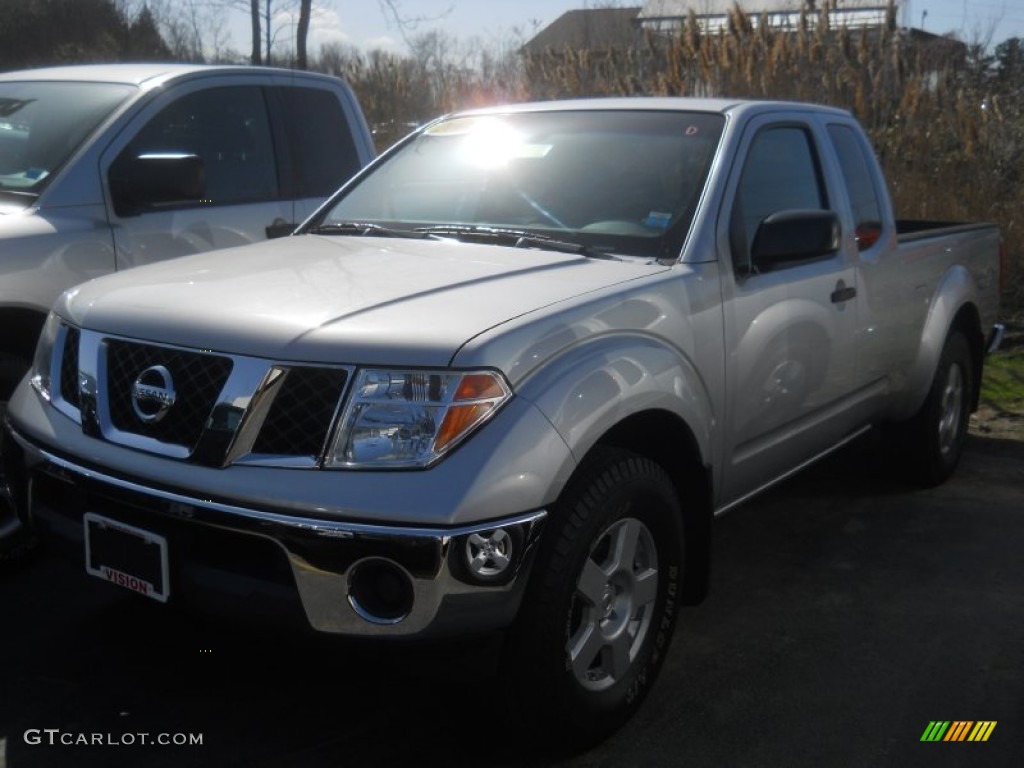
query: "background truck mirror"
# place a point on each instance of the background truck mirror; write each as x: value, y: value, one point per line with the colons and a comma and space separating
x: 156, y: 180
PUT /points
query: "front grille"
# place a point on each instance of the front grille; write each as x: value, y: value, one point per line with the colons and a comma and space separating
x: 69, y: 368
x: 197, y: 379
x: 302, y: 412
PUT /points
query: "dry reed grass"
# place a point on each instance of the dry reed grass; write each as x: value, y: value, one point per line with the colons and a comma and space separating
x: 952, y: 148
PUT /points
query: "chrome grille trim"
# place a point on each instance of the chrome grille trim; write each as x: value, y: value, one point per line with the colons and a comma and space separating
x: 236, y: 419
x: 67, y: 343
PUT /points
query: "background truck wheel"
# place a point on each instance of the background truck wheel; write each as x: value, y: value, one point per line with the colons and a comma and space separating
x: 12, y: 369
x: 930, y: 444
x: 601, y: 605
x: 17, y: 544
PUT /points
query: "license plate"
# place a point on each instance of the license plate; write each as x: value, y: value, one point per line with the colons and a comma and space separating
x: 127, y: 556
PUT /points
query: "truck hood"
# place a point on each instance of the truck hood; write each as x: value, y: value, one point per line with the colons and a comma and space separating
x: 8, y: 206
x: 339, y: 299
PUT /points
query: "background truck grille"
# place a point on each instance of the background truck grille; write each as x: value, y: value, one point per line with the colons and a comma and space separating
x: 198, y: 380
x: 302, y: 413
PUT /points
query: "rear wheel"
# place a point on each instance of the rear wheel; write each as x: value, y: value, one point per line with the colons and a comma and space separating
x: 931, y: 443
x: 601, y: 605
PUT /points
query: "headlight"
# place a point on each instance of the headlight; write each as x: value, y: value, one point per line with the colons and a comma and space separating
x: 42, y: 365
x: 412, y: 418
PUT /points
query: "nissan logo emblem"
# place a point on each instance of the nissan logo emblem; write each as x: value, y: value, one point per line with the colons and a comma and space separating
x: 153, y: 394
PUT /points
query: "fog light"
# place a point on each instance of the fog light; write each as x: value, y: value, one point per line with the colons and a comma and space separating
x: 380, y: 591
x: 488, y: 554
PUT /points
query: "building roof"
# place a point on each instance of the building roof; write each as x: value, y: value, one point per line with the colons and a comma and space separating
x: 659, y: 9
x: 713, y: 15
x: 591, y: 28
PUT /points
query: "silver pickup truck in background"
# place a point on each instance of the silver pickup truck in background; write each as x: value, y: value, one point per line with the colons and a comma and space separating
x: 505, y: 379
x: 104, y: 167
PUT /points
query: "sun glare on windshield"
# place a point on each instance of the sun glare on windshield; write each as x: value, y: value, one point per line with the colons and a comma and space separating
x: 489, y: 142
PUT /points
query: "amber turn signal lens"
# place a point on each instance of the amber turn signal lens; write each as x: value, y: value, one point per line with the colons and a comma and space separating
x: 457, y: 421
x: 478, y: 386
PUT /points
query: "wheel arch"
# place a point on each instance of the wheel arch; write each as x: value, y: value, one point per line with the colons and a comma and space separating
x: 953, y: 308
x: 968, y: 322
x: 21, y: 328
x: 664, y: 438
x: 637, y: 393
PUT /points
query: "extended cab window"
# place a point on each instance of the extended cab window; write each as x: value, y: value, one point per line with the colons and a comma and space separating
x: 319, y: 140
x: 867, y: 211
x: 228, y: 130
x: 781, y: 173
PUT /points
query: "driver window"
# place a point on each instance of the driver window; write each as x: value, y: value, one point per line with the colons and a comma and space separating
x: 781, y: 173
x: 229, y: 130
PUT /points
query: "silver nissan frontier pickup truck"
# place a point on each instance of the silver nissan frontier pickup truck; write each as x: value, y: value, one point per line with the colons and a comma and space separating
x: 504, y: 380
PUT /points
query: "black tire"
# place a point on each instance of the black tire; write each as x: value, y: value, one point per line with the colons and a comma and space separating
x: 12, y: 370
x: 594, y: 627
x: 930, y: 444
x: 17, y: 544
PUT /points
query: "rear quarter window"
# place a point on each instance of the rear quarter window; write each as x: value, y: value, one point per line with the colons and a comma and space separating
x: 867, y: 210
x: 319, y: 139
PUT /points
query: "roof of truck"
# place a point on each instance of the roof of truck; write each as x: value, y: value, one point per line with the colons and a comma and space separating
x: 140, y: 73
x: 661, y: 103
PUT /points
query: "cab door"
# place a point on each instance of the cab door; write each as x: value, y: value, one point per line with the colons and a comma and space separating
x: 790, y: 323
x: 233, y: 192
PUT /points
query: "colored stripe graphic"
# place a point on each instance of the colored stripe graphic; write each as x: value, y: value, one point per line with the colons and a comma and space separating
x: 935, y: 731
x: 958, y: 730
x: 982, y: 730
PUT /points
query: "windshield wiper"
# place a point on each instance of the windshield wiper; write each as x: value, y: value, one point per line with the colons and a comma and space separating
x: 367, y: 229
x: 19, y: 194
x: 516, y: 238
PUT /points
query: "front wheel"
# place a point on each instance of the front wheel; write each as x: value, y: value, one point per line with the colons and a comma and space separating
x: 931, y: 443
x: 601, y: 605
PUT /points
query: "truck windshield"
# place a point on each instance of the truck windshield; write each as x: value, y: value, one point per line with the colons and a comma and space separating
x: 624, y: 183
x: 43, y: 123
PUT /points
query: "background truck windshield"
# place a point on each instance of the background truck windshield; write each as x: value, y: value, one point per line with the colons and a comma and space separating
x: 42, y: 123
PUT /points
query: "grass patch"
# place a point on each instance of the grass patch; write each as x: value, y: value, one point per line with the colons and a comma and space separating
x: 1002, y: 386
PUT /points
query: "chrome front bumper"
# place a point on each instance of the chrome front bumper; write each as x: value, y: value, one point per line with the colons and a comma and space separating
x: 327, y: 558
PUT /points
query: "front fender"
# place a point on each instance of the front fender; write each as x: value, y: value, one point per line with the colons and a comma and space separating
x: 45, y: 252
x: 595, y: 385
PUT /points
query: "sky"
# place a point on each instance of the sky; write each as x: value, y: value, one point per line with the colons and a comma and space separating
x: 362, y: 23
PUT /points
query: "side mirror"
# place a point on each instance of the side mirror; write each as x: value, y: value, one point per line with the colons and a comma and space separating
x: 792, y: 236
x: 156, y: 179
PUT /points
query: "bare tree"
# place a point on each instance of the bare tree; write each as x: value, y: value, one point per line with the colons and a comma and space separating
x: 262, y: 15
x: 406, y: 25
x: 256, y: 57
x: 192, y: 29
x: 302, y: 33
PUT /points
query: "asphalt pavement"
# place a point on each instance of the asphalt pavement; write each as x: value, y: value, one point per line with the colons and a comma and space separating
x: 847, y: 613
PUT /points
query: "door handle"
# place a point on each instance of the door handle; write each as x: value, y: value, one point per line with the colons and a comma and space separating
x: 280, y: 228
x: 843, y: 293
